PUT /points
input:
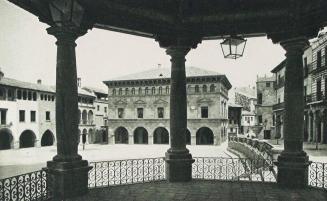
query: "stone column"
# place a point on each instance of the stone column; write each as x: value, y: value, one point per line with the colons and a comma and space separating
x: 67, y: 170
x: 293, y: 161
x: 178, y: 159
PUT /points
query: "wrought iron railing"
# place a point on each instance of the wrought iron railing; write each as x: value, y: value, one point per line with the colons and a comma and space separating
x: 318, y: 175
x: 109, y: 173
x: 233, y: 169
x: 30, y: 186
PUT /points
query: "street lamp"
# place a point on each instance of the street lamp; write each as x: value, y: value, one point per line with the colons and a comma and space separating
x: 233, y: 47
x: 66, y: 12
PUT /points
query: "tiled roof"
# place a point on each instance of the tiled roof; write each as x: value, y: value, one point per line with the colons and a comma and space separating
x: 37, y: 87
x: 95, y: 90
x: 26, y: 85
x: 164, y: 72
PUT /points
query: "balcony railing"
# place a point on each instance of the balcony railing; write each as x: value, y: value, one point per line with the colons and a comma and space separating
x: 110, y: 173
x: 279, y: 106
x: 34, y: 185
x: 30, y: 186
x: 314, y: 97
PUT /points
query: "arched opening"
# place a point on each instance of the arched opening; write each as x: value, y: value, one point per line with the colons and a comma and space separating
x: 91, y: 138
x: 47, y: 138
x: 188, y: 137
x: 161, y: 136
x: 6, y: 139
x: 140, y: 136
x: 27, y: 139
x: 121, y: 135
x: 204, y: 136
x: 84, y: 134
x: 84, y: 117
x: 90, y: 117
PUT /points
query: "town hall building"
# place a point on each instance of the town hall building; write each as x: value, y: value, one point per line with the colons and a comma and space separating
x: 139, y: 110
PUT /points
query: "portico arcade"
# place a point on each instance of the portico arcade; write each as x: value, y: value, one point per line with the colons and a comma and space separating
x: 178, y: 26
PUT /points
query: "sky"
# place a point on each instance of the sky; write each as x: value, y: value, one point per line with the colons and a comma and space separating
x: 28, y: 53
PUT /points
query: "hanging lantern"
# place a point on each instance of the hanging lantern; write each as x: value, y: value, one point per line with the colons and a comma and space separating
x: 66, y: 12
x: 233, y: 47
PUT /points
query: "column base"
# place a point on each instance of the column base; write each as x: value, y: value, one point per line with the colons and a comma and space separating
x: 293, y: 170
x: 178, y: 166
x: 68, y: 179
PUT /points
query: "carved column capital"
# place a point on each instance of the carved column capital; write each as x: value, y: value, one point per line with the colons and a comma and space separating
x: 66, y: 34
x: 295, y: 45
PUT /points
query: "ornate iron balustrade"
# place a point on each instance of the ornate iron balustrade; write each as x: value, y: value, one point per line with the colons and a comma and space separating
x: 318, y: 175
x: 109, y: 173
x: 25, y: 187
x: 233, y: 169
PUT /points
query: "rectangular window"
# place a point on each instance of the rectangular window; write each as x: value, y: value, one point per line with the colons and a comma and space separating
x: 160, y: 112
x: 140, y: 113
x: 105, y: 109
x: 3, y: 117
x: 22, y: 115
x: 98, y: 108
x: 260, y: 119
x: 204, y: 112
x: 267, y: 84
x: 120, y: 113
x: 319, y: 90
x: 47, y: 115
x: 259, y: 98
x: 33, y: 116
x: 319, y: 59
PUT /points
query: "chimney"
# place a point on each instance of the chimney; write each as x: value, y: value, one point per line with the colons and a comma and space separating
x: 1, y: 74
x: 78, y: 82
x: 39, y: 81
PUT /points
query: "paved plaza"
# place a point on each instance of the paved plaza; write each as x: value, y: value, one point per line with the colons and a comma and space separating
x: 203, y: 190
x: 20, y: 161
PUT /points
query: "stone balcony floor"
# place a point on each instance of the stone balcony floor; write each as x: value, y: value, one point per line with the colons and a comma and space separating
x: 199, y: 190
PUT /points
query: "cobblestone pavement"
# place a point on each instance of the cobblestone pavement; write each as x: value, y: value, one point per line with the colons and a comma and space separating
x: 198, y: 190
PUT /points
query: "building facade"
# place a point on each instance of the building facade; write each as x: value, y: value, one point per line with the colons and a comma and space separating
x: 139, y: 107
x: 27, y: 114
x: 264, y: 108
x: 314, y: 82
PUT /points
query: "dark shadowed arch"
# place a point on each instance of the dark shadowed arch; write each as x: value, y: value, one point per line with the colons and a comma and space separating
x: 160, y: 136
x: 188, y: 137
x: 6, y: 139
x: 140, y: 136
x: 204, y: 136
x: 47, y: 138
x: 27, y: 139
x: 121, y: 135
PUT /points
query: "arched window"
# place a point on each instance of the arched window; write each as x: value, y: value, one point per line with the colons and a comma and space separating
x: 146, y: 90
x: 153, y: 90
x: 114, y: 92
x: 212, y: 88
x: 196, y: 88
x: 120, y: 92
x: 160, y: 90
x: 34, y: 96
x: 167, y: 89
x: 204, y: 88
x: 126, y: 91
x: 140, y: 91
x: 19, y: 94
x: 133, y: 91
